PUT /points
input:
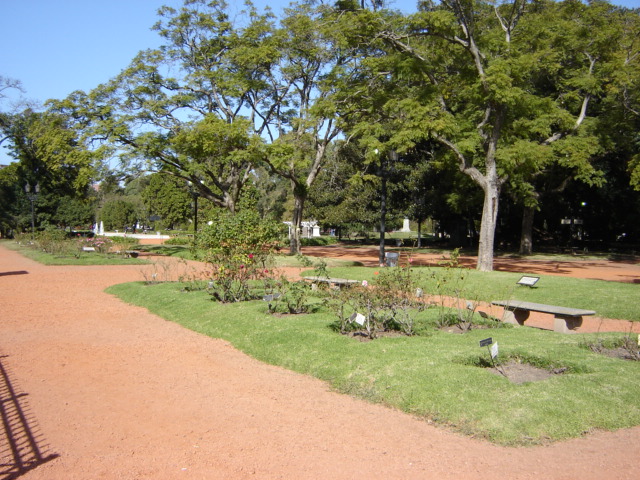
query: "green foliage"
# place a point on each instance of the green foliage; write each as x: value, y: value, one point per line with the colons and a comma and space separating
x: 179, y: 240
x: 167, y: 197
x: 552, y: 290
x: 286, y: 296
x: 238, y: 247
x: 118, y: 213
x: 54, y: 241
x: 48, y: 146
x: 75, y: 212
x: 318, y: 241
x: 67, y: 252
x: 389, y: 305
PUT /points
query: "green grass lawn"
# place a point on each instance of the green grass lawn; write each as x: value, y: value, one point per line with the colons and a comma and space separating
x: 433, y: 376
x: 608, y: 299
x: 85, y: 258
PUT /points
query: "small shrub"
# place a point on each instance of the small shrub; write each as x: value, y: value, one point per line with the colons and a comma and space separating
x: 289, y: 297
x: 304, y: 261
x: 51, y: 240
x: 389, y: 305
x: 318, y: 241
x: 181, y: 240
x: 238, y: 248
x: 100, y: 244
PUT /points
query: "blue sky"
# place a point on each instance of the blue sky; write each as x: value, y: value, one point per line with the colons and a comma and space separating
x: 57, y: 46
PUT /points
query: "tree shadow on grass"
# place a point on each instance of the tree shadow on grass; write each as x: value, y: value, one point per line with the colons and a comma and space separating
x: 22, y: 447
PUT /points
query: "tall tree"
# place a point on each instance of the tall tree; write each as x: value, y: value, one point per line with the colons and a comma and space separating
x: 306, y: 116
x: 195, y: 108
x: 473, y: 76
x: 168, y: 198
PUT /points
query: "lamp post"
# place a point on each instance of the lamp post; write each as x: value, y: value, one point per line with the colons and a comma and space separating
x: 383, y: 172
x: 32, y: 196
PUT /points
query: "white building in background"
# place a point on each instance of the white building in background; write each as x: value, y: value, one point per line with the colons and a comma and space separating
x: 309, y: 229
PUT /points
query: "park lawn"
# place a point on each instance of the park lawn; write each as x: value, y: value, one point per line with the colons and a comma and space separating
x: 609, y: 299
x: 281, y: 260
x: 85, y: 258
x: 436, y: 376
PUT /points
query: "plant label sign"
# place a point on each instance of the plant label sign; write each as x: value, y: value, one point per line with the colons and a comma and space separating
x: 494, y: 350
x: 528, y: 281
x: 358, y: 318
x: 486, y: 342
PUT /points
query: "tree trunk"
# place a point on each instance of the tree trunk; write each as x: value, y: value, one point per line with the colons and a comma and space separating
x: 526, y: 234
x: 488, y: 226
x: 298, y: 207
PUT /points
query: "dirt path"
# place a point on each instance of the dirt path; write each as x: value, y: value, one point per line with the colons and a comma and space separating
x: 92, y: 388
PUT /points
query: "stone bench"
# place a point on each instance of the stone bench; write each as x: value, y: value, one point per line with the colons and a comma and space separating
x: 565, y: 319
x: 335, y: 282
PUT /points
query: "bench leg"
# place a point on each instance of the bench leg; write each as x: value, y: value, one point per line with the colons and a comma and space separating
x: 515, y: 317
x: 566, y: 324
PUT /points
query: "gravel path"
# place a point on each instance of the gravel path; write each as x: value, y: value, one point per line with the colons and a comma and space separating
x: 92, y: 388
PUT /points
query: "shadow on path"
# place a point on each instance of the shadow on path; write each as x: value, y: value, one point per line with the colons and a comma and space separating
x: 21, y: 446
x: 19, y: 272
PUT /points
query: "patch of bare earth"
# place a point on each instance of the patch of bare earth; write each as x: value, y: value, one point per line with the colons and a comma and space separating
x: 517, y: 372
x: 97, y: 389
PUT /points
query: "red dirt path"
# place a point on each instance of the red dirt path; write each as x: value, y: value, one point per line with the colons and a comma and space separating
x: 92, y: 388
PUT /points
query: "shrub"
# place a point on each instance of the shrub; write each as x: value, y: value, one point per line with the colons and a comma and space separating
x: 181, y: 240
x: 288, y: 297
x: 52, y: 240
x: 239, y: 249
x: 318, y: 241
x: 100, y: 244
x: 389, y: 305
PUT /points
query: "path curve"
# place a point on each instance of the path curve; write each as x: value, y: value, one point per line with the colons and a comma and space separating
x: 105, y: 390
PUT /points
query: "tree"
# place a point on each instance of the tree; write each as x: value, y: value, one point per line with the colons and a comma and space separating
x: 306, y: 125
x: 75, y: 212
x: 118, y: 213
x: 344, y: 197
x: 50, y: 150
x: 196, y: 107
x: 166, y: 196
x: 50, y: 153
x: 10, y: 193
x: 472, y: 76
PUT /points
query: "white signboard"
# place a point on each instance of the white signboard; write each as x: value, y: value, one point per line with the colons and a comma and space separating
x: 358, y: 318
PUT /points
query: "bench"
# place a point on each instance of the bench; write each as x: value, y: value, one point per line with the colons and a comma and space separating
x: 565, y: 319
x: 336, y: 282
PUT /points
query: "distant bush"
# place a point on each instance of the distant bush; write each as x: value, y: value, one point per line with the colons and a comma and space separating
x: 125, y: 240
x: 318, y: 241
x: 181, y: 240
x: 52, y: 240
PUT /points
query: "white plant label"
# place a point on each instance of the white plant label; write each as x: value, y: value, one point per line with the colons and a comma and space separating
x: 358, y: 318
x: 494, y: 350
